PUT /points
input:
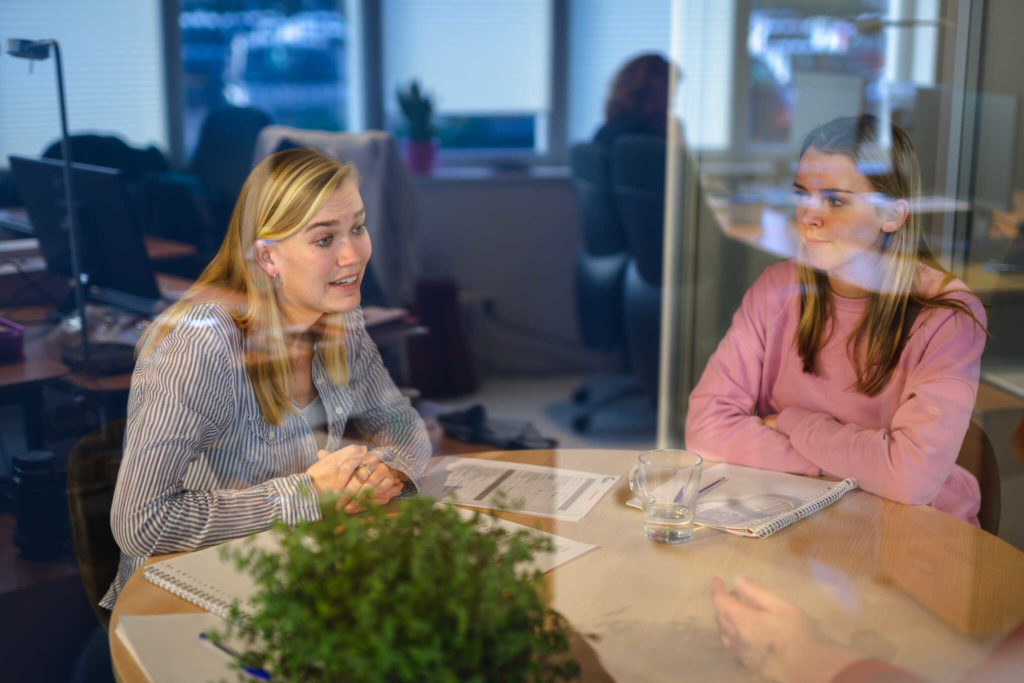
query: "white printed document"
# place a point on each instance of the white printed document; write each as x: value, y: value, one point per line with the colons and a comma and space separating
x: 565, y: 549
x: 546, y: 491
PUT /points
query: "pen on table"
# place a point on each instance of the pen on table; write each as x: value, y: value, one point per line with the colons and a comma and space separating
x: 703, y: 489
x: 225, y: 650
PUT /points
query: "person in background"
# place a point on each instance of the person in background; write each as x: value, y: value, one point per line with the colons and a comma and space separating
x: 243, y: 388
x: 637, y: 101
x: 774, y: 638
x: 861, y: 358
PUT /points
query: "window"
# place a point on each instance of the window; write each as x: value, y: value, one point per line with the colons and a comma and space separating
x: 603, y: 34
x: 116, y: 90
x: 487, y: 66
x: 294, y: 65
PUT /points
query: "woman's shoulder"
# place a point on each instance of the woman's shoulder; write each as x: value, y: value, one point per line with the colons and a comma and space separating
x: 777, y: 282
x: 935, y: 283
x: 204, y: 325
x: 612, y: 130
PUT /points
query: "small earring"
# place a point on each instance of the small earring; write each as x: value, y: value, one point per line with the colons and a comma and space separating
x: 276, y: 279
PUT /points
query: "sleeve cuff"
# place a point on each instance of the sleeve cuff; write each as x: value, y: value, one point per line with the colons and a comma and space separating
x: 296, y: 499
x: 789, y: 419
x: 415, y: 479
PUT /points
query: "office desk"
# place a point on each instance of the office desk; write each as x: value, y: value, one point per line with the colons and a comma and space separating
x: 21, y: 381
x: 875, y: 573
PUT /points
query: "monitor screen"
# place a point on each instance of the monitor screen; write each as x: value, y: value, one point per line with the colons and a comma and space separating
x: 113, y: 254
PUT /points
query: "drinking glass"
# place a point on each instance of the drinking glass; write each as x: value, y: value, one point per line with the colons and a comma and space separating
x: 666, y: 482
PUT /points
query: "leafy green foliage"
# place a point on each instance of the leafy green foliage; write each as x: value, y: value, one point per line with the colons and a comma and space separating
x: 418, y: 109
x: 421, y: 595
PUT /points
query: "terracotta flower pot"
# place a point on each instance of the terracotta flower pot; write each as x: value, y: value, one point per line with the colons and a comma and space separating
x: 420, y: 155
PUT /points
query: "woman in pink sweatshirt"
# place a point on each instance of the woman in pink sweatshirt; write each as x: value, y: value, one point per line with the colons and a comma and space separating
x: 860, y: 359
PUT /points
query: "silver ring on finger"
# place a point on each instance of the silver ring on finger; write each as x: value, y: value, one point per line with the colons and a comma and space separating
x: 366, y: 468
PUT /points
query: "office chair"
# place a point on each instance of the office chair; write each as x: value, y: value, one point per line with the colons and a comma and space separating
x: 979, y: 458
x: 92, y: 474
x: 638, y: 179
x: 600, y: 268
x: 195, y: 205
x: 223, y: 157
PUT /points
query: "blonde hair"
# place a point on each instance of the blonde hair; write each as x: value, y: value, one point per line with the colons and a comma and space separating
x: 280, y: 196
x: 876, y: 343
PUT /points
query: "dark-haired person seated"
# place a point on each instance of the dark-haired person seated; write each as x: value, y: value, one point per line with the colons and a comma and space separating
x: 637, y: 100
x: 861, y: 357
x: 243, y: 388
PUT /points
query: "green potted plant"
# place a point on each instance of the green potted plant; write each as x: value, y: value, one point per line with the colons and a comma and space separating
x: 418, y: 110
x: 421, y: 594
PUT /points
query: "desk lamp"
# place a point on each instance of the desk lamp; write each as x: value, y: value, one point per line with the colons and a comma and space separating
x: 100, y: 358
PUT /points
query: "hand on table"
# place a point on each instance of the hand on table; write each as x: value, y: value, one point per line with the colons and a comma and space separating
x: 334, y: 474
x: 382, y: 483
x: 353, y: 470
x: 772, y: 636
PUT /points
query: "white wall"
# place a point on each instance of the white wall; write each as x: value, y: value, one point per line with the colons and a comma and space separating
x: 513, y: 240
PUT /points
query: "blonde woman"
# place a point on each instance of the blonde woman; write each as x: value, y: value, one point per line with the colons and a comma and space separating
x: 860, y: 359
x: 242, y: 389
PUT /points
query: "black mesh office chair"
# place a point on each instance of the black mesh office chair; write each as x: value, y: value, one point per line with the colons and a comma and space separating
x: 638, y: 178
x: 600, y: 267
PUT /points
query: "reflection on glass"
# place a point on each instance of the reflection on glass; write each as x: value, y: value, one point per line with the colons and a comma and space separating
x: 291, y: 65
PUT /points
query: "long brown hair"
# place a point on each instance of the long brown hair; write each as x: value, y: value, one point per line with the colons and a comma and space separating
x: 876, y: 343
x: 640, y: 90
x: 280, y: 196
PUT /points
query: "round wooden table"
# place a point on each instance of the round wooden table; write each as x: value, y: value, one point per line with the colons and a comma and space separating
x: 906, y: 584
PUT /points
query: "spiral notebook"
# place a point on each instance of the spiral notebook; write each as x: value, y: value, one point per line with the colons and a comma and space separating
x: 206, y: 579
x: 757, y: 503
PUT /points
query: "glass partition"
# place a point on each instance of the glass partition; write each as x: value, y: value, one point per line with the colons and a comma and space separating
x: 941, y: 71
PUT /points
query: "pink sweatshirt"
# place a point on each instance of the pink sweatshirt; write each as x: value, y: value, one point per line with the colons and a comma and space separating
x: 901, y: 443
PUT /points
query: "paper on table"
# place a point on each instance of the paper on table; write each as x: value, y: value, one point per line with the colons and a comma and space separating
x: 752, y: 496
x: 565, y: 549
x: 533, y: 489
x: 756, y: 502
x: 167, y: 647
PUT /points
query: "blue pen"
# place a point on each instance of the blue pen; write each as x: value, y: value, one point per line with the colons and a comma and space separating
x: 703, y: 489
x: 252, y: 672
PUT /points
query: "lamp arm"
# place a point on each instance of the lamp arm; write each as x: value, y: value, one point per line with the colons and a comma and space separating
x: 80, y: 278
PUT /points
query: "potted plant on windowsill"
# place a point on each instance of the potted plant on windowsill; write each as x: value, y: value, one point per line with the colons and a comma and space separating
x: 421, y: 594
x: 420, y: 146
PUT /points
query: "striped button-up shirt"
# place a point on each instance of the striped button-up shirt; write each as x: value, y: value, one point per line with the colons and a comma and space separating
x: 202, y: 466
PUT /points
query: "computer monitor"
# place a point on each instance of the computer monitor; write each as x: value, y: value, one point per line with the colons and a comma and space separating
x: 113, y: 253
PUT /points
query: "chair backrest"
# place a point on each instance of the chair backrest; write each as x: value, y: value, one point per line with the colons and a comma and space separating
x: 223, y: 155
x: 638, y: 178
x: 601, y: 262
x: 979, y: 458
x: 92, y: 474
x: 603, y: 233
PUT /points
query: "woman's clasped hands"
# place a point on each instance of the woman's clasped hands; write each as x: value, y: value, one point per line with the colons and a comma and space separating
x: 352, y: 472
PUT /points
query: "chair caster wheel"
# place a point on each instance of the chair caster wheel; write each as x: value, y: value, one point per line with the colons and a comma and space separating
x: 581, y: 423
